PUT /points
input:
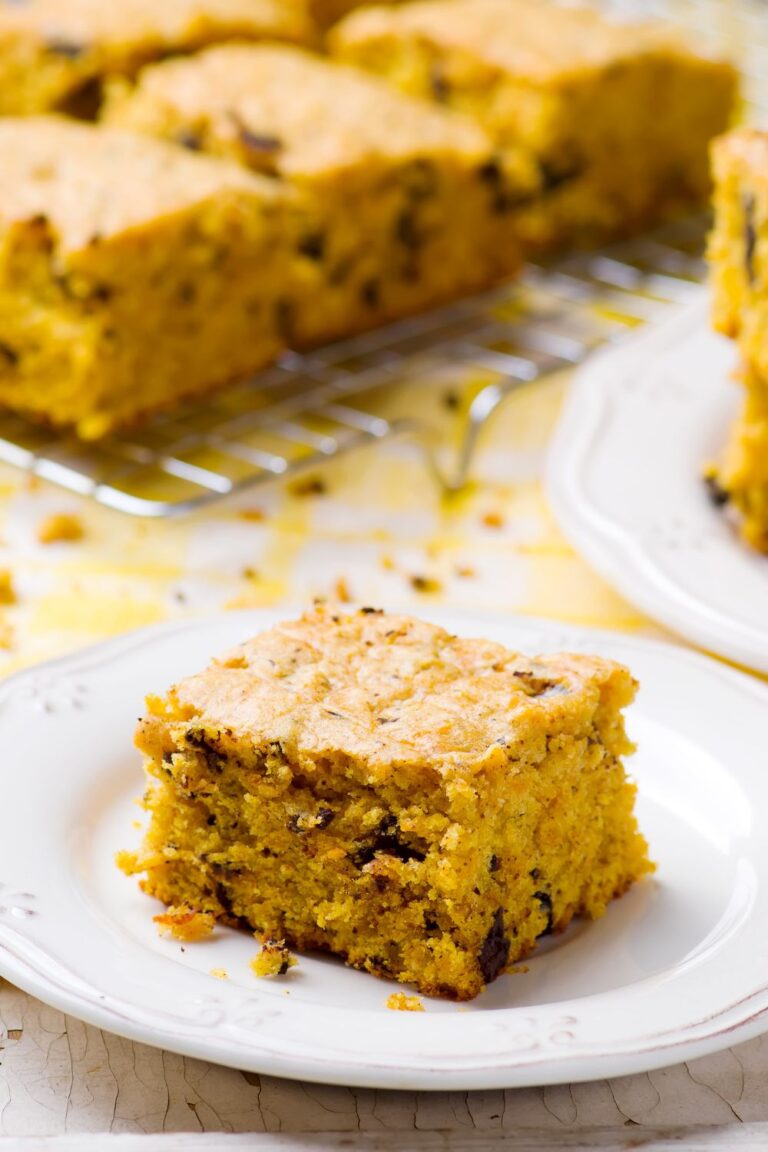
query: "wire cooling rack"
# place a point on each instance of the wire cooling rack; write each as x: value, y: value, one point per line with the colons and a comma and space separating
x: 307, y: 409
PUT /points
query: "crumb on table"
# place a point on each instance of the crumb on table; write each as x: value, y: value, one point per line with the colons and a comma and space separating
x: 220, y: 973
x: 7, y: 590
x: 184, y: 923
x: 7, y: 636
x: 308, y: 486
x: 253, y: 515
x: 274, y: 959
x: 399, y: 1002
x: 426, y: 584
x: 341, y: 591
x: 61, y: 526
x: 493, y: 520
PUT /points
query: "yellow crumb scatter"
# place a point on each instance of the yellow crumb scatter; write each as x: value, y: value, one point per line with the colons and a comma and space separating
x: 308, y: 486
x: 184, y: 923
x: 7, y: 590
x: 220, y: 973
x: 399, y: 1002
x: 274, y: 959
x: 341, y: 591
x: 7, y: 636
x: 426, y: 584
x: 62, y: 526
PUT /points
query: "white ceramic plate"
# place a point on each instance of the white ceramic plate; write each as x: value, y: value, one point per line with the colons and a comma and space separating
x: 640, y: 424
x: 677, y: 968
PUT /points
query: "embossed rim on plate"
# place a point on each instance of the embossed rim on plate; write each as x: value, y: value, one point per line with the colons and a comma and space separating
x: 44, y: 917
x: 658, y: 406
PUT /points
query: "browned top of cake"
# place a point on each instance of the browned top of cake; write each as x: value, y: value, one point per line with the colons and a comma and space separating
x: 123, y: 28
x: 92, y: 183
x: 396, y: 693
x: 529, y: 39
x: 306, y: 116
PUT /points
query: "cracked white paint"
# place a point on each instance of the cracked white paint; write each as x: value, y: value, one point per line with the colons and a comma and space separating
x: 59, y: 1076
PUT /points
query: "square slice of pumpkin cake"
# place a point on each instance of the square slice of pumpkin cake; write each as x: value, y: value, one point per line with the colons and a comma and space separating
x: 424, y: 806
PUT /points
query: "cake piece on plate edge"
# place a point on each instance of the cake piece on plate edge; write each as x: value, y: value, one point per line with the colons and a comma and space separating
x: 423, y: 806
x: 738, y: 258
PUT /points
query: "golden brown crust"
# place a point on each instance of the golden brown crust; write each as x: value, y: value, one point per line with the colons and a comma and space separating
x: 89, y: 186
x: 306, y: 117
x: 392, y: 690
x: 525, y: 37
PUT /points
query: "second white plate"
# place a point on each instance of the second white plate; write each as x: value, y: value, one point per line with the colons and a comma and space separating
x: 625, y: 481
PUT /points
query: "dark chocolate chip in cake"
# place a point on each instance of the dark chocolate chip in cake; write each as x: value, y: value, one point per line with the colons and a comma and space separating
x: 545, y: 900
x: 370, y: 293
x: 495, y: 951
x: 440, y: 87
x: 750, y: 236
x: 9, y: 355
x: 555, y: 176
x: 387, y: 840
x: 313, y: 246
x: 69, y: 49
x: 189, y: 139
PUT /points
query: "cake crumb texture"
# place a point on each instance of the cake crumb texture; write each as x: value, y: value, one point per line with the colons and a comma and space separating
x: 184, y: 923
x: 274, y: 959
x: 399, y: 1002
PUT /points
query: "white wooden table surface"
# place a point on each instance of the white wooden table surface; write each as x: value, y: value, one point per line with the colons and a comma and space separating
x: 59, y: 1077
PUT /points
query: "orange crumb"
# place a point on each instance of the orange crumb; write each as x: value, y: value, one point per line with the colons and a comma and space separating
x: 465, y: 572
x: 426, y: 584
x: 62, y: 526
x: 493, y: 520
x: 308, y: 486
x: 399, y: 1002
x: 7, y: 590
x: 184, y: 923
x: 254, y: 515
x: 341, y: 591
x: 250, y: 574
x: 274, y: 959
